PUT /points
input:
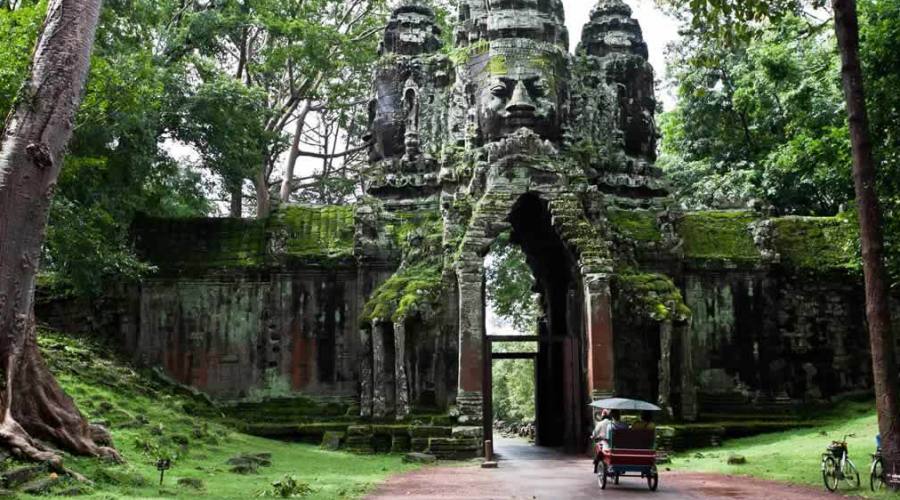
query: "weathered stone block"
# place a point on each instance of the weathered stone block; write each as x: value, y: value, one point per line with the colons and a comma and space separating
x: 419, y: 458
x: 359, y: 430
x: 418, y: 444
x: 400, y: 444
x: 471, y: 432
x: 359, y: 444
x: 332, y: 440
x: 430, y: 431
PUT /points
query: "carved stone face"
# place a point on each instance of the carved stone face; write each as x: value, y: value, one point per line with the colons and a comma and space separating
x: 520, y: 88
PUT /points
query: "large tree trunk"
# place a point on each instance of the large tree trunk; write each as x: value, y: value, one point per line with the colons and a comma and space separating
x: 884, y: 366
x: 263, y: 198
x: 32, y: 405
x: 287, y: 182
x: 236, y: 210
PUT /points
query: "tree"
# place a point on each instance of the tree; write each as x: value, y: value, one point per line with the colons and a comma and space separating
x: 31, y: 155
x: 293, y: 53
x: 739, y: 17
x: 759, y: 119
x: 884, y: 364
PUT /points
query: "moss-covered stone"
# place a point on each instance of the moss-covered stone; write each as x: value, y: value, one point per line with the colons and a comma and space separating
x: 640, y: 225
x: 817, y: 243
x: 719, y: 235
x: 652, y: 296
x: 416, y: 287
x: 315, y: 232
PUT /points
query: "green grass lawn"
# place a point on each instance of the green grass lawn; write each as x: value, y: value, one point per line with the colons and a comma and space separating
x: 150, y: 419
x: 794, y: 456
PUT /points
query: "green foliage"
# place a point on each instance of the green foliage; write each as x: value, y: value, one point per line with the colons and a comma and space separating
x: 652, y: 297
x: 115, y: 167
x: 721, y: 235
x: 288, y: 487
x: 224, y: 121
x: 510, y: 286
x: 514, y: 385
x: 793, y: 456
x: 763, y: 119
x: 18, y: 32
x: 149, y: 418
x: 761, y: 115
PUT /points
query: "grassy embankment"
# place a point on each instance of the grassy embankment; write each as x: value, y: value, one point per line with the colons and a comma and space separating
x: 794, y: 456
x: 149, y: 419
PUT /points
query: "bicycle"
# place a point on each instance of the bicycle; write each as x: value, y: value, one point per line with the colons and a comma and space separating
x: 876, y: 472
x: 837, y: 466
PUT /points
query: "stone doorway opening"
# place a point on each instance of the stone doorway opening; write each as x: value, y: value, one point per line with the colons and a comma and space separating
x: 561, y: 415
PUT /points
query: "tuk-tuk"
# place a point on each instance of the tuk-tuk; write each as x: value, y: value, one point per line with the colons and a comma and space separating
x: 626, y: 452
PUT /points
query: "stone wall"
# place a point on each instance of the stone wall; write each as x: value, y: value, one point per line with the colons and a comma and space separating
x: 763, y: 336
x: 250, y: 335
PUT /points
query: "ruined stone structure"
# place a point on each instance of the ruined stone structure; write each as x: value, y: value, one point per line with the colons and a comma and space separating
x: 376, y: 312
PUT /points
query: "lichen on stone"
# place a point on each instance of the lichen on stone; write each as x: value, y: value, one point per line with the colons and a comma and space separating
x: 719, y: 235
x: 314, y: 232
x: 651, y: 296
x: 417, y: 286
x: 817, y: 243
x: 640, y: 225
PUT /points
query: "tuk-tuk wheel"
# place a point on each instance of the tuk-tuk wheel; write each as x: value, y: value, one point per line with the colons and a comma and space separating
x: 616, y: 479
x: 601, y: 477
x: 653, y: 481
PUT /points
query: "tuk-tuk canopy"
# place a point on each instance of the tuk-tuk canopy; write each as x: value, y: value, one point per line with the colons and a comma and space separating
x: 623, y: 404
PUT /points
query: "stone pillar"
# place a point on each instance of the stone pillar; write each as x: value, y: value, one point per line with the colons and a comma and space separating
x: 688, y: 379
x: 665, y: 366
x: 383, y: 371
x: 402, y: 378
x: 600, y: 354
x: 365, y: 373
x: 471, y: 342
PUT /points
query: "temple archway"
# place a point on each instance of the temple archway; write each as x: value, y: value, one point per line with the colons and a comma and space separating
x: 561, y: 363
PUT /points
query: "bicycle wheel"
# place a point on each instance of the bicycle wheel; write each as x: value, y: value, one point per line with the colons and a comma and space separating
x: 830, y: 473
x: 851, y: 475
x: 601, y: 477
x: 876, y: 475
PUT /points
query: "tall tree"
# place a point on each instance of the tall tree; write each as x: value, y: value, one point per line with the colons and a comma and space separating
x: 728, y: 19
x: 884, y: 364
x: 293, y: 54
x: 31, y: 152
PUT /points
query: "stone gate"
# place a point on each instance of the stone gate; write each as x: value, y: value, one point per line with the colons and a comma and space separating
x: 370, y: 320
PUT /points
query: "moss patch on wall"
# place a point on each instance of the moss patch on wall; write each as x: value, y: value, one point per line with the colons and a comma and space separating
x: 638, y: 225
x: 817, y: 242
x: 313, y: 234
x: 316, y: 231
x: 416, y: 287
x: 410, y: 290
x: 201, y: 242
x: 720, y: 235
x: 651, y: 296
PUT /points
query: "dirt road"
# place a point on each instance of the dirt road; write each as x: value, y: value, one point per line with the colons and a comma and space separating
x: 528, y: 472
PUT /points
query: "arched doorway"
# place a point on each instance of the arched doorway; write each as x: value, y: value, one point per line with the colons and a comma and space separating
x: 561, y: 393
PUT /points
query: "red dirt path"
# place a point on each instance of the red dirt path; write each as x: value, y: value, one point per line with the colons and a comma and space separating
x: 527, y: 472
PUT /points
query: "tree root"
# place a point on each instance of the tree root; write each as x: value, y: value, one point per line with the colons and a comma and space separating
x: 36, y: 409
